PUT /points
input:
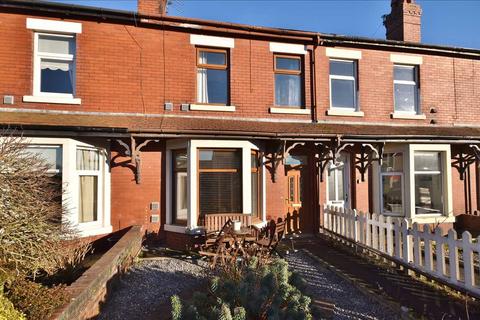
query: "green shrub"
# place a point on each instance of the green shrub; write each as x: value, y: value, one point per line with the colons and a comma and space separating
x: 34, y: 300
x: 7, y: 310
x: 256, y: 292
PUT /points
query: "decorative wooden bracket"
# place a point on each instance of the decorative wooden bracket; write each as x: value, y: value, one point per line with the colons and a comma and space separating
x: 324, y: 154
x: 365, y: 154
x: 274, y: 153
x: 134, y: 152
x: 463, y: 156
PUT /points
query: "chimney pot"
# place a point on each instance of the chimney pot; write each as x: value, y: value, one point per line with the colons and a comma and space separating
x: 403, y: 23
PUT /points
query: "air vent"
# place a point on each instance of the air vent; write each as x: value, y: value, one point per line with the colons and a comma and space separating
x: 8, y: 100
x: 185, y: 107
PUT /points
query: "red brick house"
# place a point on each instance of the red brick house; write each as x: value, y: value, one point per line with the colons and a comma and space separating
x: 158, y: 121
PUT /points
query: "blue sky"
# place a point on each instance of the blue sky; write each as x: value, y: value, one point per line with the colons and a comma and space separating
x: 444, y: 22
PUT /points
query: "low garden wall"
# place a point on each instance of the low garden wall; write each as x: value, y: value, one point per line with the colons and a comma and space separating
x: 90, y: 290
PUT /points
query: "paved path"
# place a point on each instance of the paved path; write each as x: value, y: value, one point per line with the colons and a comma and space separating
x: 394, y: 286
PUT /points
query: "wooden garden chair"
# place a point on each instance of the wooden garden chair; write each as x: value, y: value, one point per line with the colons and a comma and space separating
x: 270, y: 236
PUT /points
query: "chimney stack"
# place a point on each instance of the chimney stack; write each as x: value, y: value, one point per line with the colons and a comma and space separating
x: 404, y: 21
x: 152, y: 7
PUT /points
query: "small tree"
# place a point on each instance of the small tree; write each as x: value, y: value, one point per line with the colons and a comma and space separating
x: 33, y: 237
x: 262, y: 292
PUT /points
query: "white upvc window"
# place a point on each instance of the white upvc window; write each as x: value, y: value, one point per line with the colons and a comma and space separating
x: 54, y: 57
x: 392, y: 184
x: 406, y: 88
x: 223, y: 168
x: 343, y: 84
x: 417, y: 184
x: 85, y: 177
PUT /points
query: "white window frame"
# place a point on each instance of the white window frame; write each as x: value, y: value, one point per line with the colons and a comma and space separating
x: 52, y: 28
x: 70, y: 182
x: 409, y: 150
x: 192, y: 147
x: 414, y: 83
x: 346, y: 182
x: 402, y: 186
x: 337, y: 77
x: 96, y: 173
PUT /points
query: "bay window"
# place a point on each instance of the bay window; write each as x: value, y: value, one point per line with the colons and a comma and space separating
x: 211, y: 177
x: 179, y: 187
x: 391, y: 182
x: 288, y: 81
x: 220, y: 181
x: 343, y: 84
x: 212, y: 76
x: 428, y: 182
x: 81, y: 171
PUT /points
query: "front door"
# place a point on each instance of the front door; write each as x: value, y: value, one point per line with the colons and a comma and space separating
x: 293, y: 199
x: 338, y: 186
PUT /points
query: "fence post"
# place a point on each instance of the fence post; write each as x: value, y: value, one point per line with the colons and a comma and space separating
x: 381, y: 234
x: 398, y: 238
x: 355, y: 225
x: 440, y: 252
x: 428, y: 248
x: 453, y: 255
x: 407, y: 242
x: 362, y: 227
x: 374, y: 223
x: 468, y: 259
x: 389, y: 230
x: 417, y: 254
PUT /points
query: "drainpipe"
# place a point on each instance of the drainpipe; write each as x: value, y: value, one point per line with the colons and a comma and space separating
x: 313, y: 72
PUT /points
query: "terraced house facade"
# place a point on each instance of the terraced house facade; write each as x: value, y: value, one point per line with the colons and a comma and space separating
x: 158, y: 121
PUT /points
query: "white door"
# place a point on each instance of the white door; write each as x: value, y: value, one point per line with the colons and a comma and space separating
x: 338, y: 177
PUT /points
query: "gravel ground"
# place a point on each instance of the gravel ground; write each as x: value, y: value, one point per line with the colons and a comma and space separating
x: 325, y: 285
x: 140, y: 293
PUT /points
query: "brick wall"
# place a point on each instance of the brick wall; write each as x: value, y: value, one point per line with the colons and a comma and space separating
x: 123, y: 68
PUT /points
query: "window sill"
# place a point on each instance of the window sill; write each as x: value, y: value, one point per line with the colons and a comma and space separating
x: 407, y: 116
x: 174, y: 228
x: 94, y: 231
x: 289, y: 110
x: 57, y: 100
x: 434, y: 218
x: 210, y: 107
x: 344, y: 113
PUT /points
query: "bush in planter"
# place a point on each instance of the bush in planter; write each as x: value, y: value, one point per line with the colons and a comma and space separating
x: 8, y: 311
x: 35, y: 300
x: 263, y: 292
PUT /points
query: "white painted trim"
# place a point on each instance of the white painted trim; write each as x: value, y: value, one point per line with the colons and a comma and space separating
x: 289, y: 110
x: 173, y: 145
x: 435, y: 219
x: 447, y: 179
x: 407, y: 116
x: 210, y: 41
x: 343, y: 54
x: 192, y: 170
x: 405, y: 59
x: 70, y: 184
x: 174, y: 228
x: 56, y: 100
x: 209, y: 107
x: 344, y: 113
x: 288, y: 48
x: 54, y: 25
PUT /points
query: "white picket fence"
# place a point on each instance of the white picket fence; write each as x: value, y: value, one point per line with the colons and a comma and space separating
x: 448, y: 258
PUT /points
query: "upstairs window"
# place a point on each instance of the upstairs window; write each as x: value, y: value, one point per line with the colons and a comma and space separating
x: 54, y: 65
x: 405, y: 81
x: 212, y: 76
x: 288, y: 81
x: 343, y: 84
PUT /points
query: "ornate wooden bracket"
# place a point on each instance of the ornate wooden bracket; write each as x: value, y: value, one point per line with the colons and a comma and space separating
x: 463, y: 156
x: 274, y: 153
x: 364, y: 155
x: 324, y: 154
x: 134, y: 152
